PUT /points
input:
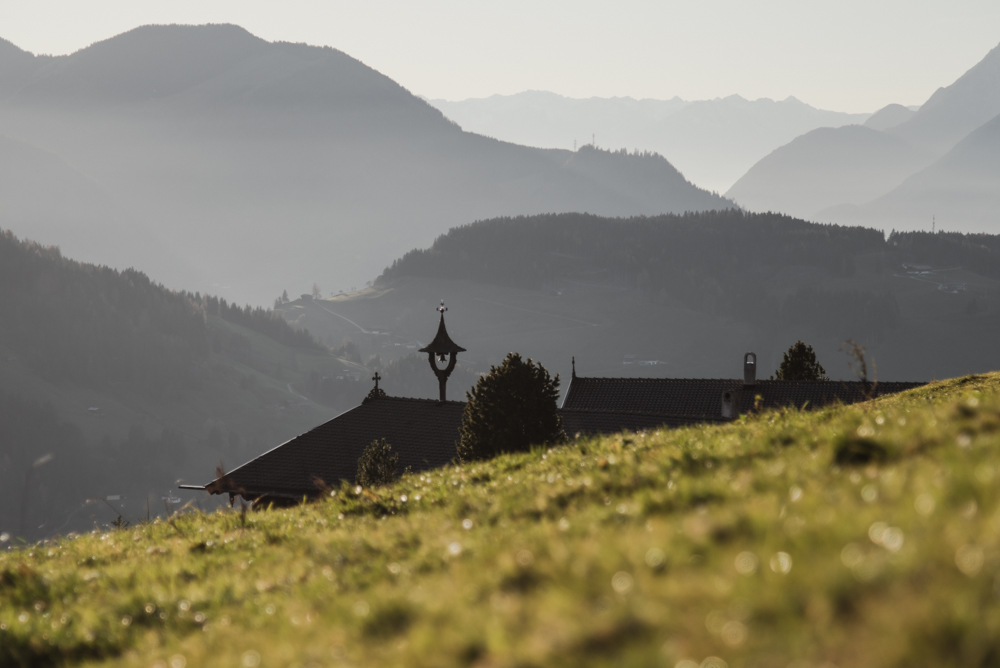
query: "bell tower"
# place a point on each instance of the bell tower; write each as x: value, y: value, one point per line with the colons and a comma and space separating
x: 442, y: 349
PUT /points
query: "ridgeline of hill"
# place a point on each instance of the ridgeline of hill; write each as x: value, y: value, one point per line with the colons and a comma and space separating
x: 729, y: 254
x: 219, y: 153
x: 682, y: 296
x: 112, y: 385
x: 853, y: 536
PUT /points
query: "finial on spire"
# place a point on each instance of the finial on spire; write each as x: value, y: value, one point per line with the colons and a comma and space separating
x: 574, y: 366
x: 441, y: 309
x: 376, y: 392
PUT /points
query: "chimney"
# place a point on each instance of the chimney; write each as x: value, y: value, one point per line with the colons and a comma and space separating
x: 728, y: 405
x: 749, y: 369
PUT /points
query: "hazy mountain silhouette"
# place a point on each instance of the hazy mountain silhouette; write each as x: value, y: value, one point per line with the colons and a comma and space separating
x: 274, y: 165
x: 956, y: 110
x: 827, y: 167
x: 961, y: 190
x: 550, y: 120
x: 713, y: 142
x: 889, y: 116
x: 835, y: 177
x: 16, y: 65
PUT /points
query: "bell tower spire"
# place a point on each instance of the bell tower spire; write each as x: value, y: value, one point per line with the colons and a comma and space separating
x: 442, y: 349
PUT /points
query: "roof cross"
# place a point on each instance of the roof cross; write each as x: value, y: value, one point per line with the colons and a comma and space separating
x: 376, y: 378
x: 441, y: 309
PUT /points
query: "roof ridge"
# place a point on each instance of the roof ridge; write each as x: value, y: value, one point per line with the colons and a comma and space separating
x: 420, y: 399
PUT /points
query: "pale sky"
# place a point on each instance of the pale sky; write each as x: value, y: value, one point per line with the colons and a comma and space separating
x: 846, y: 55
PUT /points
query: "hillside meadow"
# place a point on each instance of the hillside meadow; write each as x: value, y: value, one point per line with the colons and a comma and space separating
x: 856, y: 536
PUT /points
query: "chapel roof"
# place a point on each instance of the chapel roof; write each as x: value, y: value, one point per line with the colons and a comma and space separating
x: 422, y: 433
x: 695, y: 398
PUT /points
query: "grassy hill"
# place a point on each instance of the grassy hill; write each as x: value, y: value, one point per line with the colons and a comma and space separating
x: 855, y: 536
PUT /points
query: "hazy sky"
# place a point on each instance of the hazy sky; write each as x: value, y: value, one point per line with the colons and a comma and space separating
x: 849, y: 55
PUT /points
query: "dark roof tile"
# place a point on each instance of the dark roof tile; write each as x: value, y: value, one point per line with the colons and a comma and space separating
x: 421, y: 432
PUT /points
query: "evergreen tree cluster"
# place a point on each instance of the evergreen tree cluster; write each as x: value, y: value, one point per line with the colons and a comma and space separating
x: 377, y: 465
x: 92, y: 324
x: 730, y: 262
x: 80, y: 322
x: 509, y: 410
x: 717, y: 261
x: 799, y: 363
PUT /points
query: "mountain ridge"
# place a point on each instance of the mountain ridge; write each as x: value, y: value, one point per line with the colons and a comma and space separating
x: 213, y: 156
x: 948, y: 116
x: 827, y: 167
x: 960, y: 190
x: 713, y: 142
x: 953, y: 111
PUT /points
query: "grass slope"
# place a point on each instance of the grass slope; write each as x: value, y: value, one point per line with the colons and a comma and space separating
x: 858, y: 536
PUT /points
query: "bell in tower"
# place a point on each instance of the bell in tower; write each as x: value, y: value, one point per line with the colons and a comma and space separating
x: 442, y: 349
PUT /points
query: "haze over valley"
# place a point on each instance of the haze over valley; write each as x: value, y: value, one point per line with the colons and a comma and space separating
x: 207, y: 167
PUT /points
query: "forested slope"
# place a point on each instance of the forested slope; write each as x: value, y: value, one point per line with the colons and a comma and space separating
x: 119, y: 386
x: 687, y: 295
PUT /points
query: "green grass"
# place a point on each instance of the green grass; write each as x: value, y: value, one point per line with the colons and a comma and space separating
x: 858, y: 536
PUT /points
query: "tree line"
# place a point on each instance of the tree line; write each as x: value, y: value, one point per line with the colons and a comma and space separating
x: 728, y: 262
x: 92, y: 324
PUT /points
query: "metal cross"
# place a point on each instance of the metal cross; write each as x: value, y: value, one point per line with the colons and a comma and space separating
x: 441, y: 309
x: 376, y: 378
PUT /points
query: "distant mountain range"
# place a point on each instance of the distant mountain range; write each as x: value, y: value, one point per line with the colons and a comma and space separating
x: 218, y: 161
x: 903, y: 171
x: 712, y: 142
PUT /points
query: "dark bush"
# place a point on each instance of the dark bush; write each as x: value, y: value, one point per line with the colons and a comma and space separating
x: 509, y: 410
x: 377, y: 465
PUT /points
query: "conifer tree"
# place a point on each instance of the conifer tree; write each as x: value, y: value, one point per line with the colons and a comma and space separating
x: 509, y: 410
x: 800, y: 363
x: 377, y: 465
